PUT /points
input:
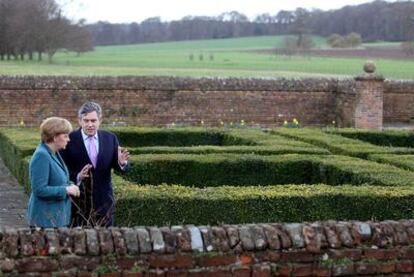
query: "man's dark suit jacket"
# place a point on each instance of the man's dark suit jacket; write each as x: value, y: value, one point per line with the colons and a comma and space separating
x: 97, y: 199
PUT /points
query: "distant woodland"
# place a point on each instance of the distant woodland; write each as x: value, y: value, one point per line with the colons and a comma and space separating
x: 378, y: 20
x: 31, y: 28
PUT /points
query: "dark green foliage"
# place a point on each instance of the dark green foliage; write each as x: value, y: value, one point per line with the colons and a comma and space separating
x: 339, y: 144
x: 383, y: 138
x: 242, y: 170
x: 402, y: 161
x: 258, y: 150
x: 136, y: 137
x: 244, y: 176
x: 170, y: 204
x: 219, y: 169
x: 15, y: 149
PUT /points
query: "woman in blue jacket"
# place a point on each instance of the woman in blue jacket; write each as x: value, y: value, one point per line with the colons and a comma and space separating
x: 50, y: 203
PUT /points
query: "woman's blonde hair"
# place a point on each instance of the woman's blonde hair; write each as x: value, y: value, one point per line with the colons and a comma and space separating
x: 52, y: 127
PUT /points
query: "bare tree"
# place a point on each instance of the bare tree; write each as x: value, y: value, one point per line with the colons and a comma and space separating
x: 78, y: 39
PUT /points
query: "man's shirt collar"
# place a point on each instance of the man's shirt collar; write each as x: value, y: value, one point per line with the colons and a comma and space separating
x: 85, y: 136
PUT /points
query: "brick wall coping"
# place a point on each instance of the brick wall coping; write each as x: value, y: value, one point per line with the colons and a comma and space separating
x: 168, y: 83
x: 399, y: 86
x: 310, y: 237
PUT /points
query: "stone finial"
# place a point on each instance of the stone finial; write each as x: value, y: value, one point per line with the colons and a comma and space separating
x: 369, y: 67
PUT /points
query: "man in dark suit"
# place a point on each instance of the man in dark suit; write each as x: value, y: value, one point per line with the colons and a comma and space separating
x: 90, y: 155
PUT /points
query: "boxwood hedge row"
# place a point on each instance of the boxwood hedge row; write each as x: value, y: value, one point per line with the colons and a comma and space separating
x: 402, y: 161
x: 15, y: 147
x: 384, y: 191
x: 174, y: 204
x: 338, y: 144
x: 396, y: 138
x: 258, y: 150
x: 136, y: 137
x: 242, y: 170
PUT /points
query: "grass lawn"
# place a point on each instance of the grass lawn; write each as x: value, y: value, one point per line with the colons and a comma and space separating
x: 210, y: 58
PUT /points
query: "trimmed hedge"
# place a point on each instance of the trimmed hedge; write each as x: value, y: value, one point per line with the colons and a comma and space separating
x: 338, y: 144
x: 393, y: 138
x: 257, y: 150
x: 15, y: 147
x: 136, y: 137
x: 402, y: 161
x: 389, y: 195
x: 242, y: 170
x: 173, y: 204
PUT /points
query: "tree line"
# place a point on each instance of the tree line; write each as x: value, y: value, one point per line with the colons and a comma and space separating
x: 378, y: 20
x: 30, y: 27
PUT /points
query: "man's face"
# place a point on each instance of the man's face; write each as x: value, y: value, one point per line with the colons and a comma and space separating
x: 90, y: 123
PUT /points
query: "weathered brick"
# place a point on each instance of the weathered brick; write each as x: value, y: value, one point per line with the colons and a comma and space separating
x: 404, y: 266
x: 381, y: 254
x: 39, y: 242
x: 183, y: 238
x: 176, y: 273
x: 295, y: 232
x: 267, y: 256
x: 144, y: 240
x: 171, y: 261
x: 25, y: 237
x: 7, y: 265
x: 297, y: 256
x: 271, y: 236
x: 65, y: 240
x: 207, y: 238
x: 234, y: 238
x: 10, y: 242
x: 344, y: 234
x: 261, y: 270
x: 332, y: 237
x: 352, y: 254
x: 386, y: 267
x: 246, y: 238
x: 52, y: 242
x: 170, y: 240
x: 106, y: 243
x: 44, y: 264
x: 92, y: 243
x: 216, y: 260
x: 259, y: 237
x: 118, y: 241
x: 71, y: 262
x: 364, y: 268
x: 219, y: 239
x: 131, y: 240
x: 342, y: 270
x: 79, y: 242
x: 311, y: 238
x: 321, y: 271
x: 197, y: 244
x: 157, y: 240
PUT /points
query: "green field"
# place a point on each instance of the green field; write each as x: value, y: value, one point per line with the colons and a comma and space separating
x: 220, y: 58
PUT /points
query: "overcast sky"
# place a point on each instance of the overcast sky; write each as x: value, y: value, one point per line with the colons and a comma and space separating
x: 126, y: 11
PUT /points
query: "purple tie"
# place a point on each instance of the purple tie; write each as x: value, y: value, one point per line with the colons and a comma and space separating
x: 92, y: 150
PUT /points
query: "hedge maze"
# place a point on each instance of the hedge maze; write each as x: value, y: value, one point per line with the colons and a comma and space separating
x: 241, y: 175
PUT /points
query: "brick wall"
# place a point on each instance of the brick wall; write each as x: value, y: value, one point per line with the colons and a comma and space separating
x: 159, y: 101
x: 399, y: 101
x: 313, y: 249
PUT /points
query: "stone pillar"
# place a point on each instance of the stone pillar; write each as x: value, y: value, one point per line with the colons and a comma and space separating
x: 368, y: 112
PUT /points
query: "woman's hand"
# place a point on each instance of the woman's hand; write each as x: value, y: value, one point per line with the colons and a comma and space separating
x: 73, y: 190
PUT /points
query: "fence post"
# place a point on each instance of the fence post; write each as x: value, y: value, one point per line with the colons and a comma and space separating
x: 368, y: 113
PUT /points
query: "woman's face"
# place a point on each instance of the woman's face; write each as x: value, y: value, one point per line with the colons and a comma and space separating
x: 61, y: 141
